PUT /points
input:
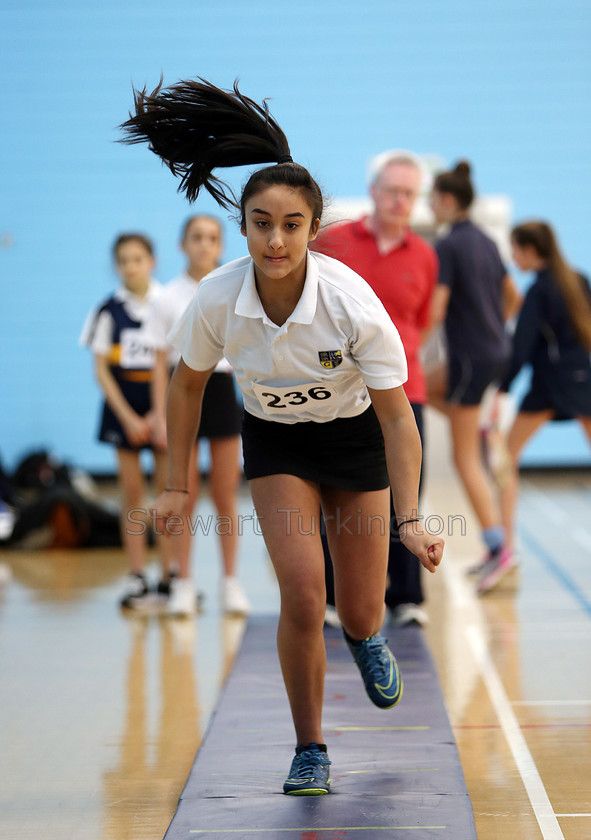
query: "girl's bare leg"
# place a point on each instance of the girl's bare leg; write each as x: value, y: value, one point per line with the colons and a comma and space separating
x: 524, y: 426
x: 133, y: 533
x: 288, y: 510
x: 223, y: 481
x: 586, y: 424
x: 436, y: 388
x: 357, y: 528
x: 467, y: 455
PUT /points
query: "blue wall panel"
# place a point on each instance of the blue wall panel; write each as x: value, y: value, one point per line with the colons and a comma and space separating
x: 506, y: 85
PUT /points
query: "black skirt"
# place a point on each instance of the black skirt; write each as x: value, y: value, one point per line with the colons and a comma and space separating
x: 221, y: 413
x: 347, y: 452
x: 569, y: 396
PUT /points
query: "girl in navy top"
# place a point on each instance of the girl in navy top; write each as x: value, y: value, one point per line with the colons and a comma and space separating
x: 119, y: 334
x: 474, y: 297
x: 321, y: 367
x: 553, y: 336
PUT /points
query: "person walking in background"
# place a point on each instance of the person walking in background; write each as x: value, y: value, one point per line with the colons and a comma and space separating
x: 118, y: 333
x: 221, y: 416
x: 401, y: 268
x: 553, y: 336
x: 474, y: 297
x: 320, y: 366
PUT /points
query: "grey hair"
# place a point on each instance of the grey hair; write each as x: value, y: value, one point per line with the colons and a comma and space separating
x: 401, y: 156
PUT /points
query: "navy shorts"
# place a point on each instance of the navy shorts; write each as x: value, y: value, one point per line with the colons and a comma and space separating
x: 347, y: 452
x: 468, y: 379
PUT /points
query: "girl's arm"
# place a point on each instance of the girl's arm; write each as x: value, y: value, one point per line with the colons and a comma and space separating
x: 439, y: 304
x: 183, y: 413
x: 526, y: 337
x: 403, y: 456
x: 160, y: 381
x: 512, y: 298
x: 136, y: 428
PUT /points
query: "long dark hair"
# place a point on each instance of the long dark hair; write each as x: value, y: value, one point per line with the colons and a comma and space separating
x: 540, y: 236
x: 458, y: 183
x: 195, y: 127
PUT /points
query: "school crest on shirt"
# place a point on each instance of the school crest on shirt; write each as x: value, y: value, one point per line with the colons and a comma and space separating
x: 330, y: 358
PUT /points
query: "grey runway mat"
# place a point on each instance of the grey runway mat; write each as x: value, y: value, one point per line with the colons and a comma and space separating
x: 395, y: 773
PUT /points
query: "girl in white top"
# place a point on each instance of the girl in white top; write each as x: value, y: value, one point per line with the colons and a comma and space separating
x: 201, y: 242
x: 316, y: 358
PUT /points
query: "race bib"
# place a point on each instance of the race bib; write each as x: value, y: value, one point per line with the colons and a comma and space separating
x: 293, y: 399
x: 136, y: 351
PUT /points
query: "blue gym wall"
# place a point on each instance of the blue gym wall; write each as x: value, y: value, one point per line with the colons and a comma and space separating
x: 505, y: 84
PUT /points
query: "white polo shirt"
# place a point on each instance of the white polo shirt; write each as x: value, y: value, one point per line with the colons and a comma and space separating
x: 174, y: 301
x: 316, y: 366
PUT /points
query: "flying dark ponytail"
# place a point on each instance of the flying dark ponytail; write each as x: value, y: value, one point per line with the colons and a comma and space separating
x: 195, y: 127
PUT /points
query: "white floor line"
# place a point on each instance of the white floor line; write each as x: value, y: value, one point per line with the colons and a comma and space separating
x: 547, y: 506
x: 520, y: 751
x: 526, y: 766
x: 551, y: 702
x: 582, y: 536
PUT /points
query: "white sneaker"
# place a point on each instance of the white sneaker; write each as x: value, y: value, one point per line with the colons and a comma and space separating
x: 331, y: 616
x: 183, y: 598
x: 234, y: 600
x: 405, y: 614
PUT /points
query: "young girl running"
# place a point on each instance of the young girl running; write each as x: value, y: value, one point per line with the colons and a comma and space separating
x: 119, y: 335
x: 474, y: 297
x: 553, y: 335
x: 321, y: 367
x: 221, y: 416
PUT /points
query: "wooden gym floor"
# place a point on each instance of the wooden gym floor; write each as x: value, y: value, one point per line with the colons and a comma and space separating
x: 102, y: 713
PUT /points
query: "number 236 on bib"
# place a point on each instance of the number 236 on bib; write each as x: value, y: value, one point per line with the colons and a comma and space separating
x: 293, y: 399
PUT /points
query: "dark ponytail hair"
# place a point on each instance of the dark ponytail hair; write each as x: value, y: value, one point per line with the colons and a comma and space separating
x: 195, y: 127
x: 540, y: 236
x: 457, y: 182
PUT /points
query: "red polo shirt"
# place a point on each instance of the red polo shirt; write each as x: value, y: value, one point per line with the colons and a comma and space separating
x: 403, y: 279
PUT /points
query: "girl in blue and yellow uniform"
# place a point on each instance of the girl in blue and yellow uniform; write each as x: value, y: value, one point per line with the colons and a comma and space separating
x: 118, y: 333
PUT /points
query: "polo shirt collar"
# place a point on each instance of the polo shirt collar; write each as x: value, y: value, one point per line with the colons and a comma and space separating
x: 248, y: 302
x: 124, y: 295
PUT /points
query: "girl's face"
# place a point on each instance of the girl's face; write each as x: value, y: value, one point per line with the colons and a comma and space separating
x: 203, y: 245
x: 278, y: 228
x: 135, y: 265
x: 444, y: 206
x: 525, y: 257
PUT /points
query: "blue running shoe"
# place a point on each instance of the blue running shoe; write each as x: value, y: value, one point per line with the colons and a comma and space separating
x: 309, y: 772
x: 379, y: 670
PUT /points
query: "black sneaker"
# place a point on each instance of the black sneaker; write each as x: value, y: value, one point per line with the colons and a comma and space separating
x: 137, y: 594
x: 309, y: 772
x: 165, y: 585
